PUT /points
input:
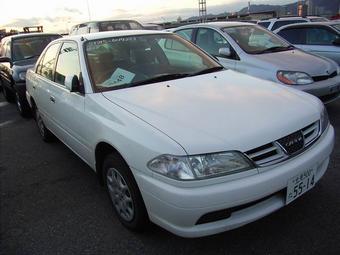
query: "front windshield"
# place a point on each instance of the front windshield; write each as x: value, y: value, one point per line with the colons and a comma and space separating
x: 255, y: 39
x: 30, y: 47
x: 336, y: 26
x: 123, y: 62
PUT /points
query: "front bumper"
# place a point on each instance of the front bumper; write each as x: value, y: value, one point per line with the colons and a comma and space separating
x: 327, y: 90
x: 178, y: 209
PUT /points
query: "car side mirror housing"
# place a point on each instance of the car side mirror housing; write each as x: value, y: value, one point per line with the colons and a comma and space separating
x: 72, y: 83
x: 336, y: 42
x: 224, y: 52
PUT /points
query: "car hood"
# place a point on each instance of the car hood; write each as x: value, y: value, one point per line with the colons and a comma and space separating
x: 297, y: 60
x: 219, y: 111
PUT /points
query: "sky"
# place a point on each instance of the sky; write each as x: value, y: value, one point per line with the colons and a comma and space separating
x: 60, y: 15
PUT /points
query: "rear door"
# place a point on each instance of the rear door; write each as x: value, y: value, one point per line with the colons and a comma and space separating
x: 43, y: 82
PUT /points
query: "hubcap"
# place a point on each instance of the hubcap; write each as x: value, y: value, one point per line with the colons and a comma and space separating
x: 120, y: 194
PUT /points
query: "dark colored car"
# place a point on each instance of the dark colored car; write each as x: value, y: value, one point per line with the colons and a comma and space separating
x: 17, y: 54
x: 102, y: 26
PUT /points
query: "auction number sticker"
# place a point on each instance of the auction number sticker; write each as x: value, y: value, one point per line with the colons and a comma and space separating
x: 119, y: 77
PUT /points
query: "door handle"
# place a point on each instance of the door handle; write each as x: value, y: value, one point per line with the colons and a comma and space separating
x: 33, y: 86
x: 52, y: 99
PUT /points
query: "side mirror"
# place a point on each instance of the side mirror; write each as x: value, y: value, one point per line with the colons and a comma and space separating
x: 224, y: 52
x: 72, y: 83
x: 336, y: 42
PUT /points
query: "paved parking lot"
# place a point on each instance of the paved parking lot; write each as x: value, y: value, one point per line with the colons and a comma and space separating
x: 52, y: 203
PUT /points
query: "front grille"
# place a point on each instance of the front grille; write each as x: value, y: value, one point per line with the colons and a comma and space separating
x: 324, y: 77
x: 275, y: 152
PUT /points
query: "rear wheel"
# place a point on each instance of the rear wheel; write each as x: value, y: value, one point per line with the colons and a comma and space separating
x: 22, y: 106
x: 124, y: 193
x: 7, y: 94
x: 45, y: 134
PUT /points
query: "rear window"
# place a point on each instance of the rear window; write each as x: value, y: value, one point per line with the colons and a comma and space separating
x: 281, y: 23
x: 119, y: 25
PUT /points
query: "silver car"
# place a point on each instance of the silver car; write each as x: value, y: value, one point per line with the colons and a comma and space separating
x: 254, y: 50
x: 319, y: 38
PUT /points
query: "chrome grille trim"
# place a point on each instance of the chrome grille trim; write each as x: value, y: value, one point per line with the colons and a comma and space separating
x: 273, y: 153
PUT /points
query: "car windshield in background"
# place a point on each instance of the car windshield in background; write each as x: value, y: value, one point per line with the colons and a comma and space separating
x: 119, y: 25
x: 128, y: 61
x: 336, y: 26
x: 30, y: 47
x: 256, y: 40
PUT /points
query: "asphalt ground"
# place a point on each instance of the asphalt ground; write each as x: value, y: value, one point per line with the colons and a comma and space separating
x: 52, y: 203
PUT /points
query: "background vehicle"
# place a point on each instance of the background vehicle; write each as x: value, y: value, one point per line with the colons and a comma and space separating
x: 253, y: 50
x: 167, y: 130
x: 275, y: 23
x: 109, y: 25
x: 319, y: 38
x: 17, y: 54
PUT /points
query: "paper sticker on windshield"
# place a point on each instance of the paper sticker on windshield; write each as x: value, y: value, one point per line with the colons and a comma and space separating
x: 119, y: 77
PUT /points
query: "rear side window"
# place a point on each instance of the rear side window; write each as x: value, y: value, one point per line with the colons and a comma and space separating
x: 68, y: 63
x: 294, y: 35
x: 48, y: 62
x: 185, y: 33
x: 264, y: 24
x: 281, y: 23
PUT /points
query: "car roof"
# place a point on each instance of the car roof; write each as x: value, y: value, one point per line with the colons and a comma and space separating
x: 309, y: 24
x: 29, y: 35
x: 221, y: 24
x: 110, y: 34
x: 110, y: 20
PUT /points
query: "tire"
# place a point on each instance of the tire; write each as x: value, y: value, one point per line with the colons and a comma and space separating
x: 124, y: 193
x: 7, y: 94
x: 22, y: 106
x: 45, y: 134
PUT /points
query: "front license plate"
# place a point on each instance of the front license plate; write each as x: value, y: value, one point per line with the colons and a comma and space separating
x: 299, y: 184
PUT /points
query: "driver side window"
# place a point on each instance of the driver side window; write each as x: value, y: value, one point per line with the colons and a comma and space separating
x: 211, y: 41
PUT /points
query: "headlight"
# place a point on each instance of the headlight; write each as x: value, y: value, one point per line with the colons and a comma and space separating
x: 324, y: 120
x: 294, y: 78
x: 200, y: 166
x: 22, y: 76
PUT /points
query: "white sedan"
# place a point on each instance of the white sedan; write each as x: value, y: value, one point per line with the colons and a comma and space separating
x: 175, y: 138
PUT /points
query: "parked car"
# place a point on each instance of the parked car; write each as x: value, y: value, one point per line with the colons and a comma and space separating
x: 107, y: 25
x: 17, y: 54
x: 174, y: 137
x: 152, y: 26
x: 275, y: 23
x: 318, y: 38
x: 251, y: 49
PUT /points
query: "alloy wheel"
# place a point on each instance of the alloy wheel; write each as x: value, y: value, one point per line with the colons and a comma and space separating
x: 120, y: 194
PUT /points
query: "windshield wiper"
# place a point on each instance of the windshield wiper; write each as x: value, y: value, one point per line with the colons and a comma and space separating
x: 208, y: 70
x: 276, y: 49
x: 159, y: 78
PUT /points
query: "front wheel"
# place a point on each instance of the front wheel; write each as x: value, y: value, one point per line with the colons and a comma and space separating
x: 45, y: 134
x: 124, y: 193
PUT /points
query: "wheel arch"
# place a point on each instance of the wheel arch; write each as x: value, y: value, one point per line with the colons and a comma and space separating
x: 104, y: 148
